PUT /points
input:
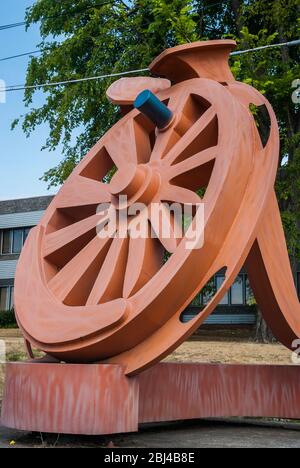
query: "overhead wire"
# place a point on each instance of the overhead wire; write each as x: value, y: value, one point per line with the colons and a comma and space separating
x: 130, y: 72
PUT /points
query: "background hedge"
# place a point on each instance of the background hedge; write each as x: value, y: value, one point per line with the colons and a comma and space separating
x: 8, y: 319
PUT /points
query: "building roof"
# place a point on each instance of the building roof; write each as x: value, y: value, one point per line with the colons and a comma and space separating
x: 25, y: 205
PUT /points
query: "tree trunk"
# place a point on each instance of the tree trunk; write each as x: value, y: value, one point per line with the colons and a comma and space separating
x: 236, y: 7
x: 263, y: 333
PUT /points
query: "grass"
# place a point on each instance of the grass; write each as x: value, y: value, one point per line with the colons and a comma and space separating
x: 15, y: 356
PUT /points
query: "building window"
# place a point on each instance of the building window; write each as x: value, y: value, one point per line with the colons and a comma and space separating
x: 240, y: 293
x: 6, y: 242
x: 12, y: 240
x: 6, y: 298
x: 3, y: 298
x: 17, y: 242
x: 209, y: 292
x: 237, y: 291
x: 219, y: 281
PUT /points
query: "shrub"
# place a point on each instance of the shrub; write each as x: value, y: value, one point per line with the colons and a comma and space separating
x: 8, y: 319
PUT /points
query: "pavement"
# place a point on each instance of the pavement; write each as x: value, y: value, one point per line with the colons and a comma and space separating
x: 196, y: 434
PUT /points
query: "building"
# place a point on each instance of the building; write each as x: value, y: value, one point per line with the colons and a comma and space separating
x: 17, y: 217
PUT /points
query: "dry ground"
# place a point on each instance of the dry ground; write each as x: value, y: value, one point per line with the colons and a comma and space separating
x: 210, y: 346
x: 231, y: 353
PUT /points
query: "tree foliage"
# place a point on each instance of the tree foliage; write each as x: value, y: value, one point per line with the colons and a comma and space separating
x: 85, y: 38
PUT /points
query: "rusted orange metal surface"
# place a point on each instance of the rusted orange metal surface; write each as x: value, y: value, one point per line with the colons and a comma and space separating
x: 69, y: 399
x: 82, y: 298
x: 172, y: 392
x: 99, y: 399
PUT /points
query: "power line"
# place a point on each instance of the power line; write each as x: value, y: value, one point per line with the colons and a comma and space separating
x: 93, y: 78
x: 59, y: 83
x: 13, y: 25
x: 21, y: 55
x: 270, y: 46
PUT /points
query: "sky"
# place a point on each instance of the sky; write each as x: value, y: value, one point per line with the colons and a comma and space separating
x: 22, y: 162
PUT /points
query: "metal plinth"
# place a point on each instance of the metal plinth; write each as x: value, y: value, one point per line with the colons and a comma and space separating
x: 69, y: 399
x: 99, y: 399
x: 171, y: 392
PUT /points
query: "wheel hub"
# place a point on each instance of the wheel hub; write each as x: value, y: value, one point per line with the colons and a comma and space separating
x: 134, y: 184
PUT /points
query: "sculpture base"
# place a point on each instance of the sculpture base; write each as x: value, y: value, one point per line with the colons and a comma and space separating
x: 99, y: 399
x: 69, y: 399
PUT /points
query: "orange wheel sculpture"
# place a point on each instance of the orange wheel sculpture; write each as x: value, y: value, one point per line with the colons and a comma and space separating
x: 83, y: 298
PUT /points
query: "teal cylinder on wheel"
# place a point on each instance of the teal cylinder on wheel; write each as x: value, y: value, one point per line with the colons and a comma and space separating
x: 148, y: 104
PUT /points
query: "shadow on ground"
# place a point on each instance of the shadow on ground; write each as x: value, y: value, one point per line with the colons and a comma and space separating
x: 196, y: 434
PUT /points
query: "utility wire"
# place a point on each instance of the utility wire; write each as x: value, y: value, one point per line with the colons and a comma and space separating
x: 90, y: 78
x: 93, y: 78
x: 21, y: 55
x: 270, y: 46
x: 13, y: 25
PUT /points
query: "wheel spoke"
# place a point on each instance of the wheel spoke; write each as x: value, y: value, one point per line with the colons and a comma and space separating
x: 191, y: 138
x: 142, y: 139
x: 145, y: 258
x: 175, y: 194
x: 109, y: 283
x: 124, y: 146
x: 167, y: 229
x: 191, y: 163
x: 83, y: 266
x: 63, y: 237
x: 82, y: 191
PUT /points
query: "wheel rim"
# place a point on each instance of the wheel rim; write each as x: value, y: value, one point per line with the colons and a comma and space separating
x: 80, y: 273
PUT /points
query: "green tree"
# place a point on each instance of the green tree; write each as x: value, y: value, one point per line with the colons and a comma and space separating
x: 89, y: 38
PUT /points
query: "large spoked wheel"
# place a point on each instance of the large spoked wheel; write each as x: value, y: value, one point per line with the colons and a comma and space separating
x: 81, y: 297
